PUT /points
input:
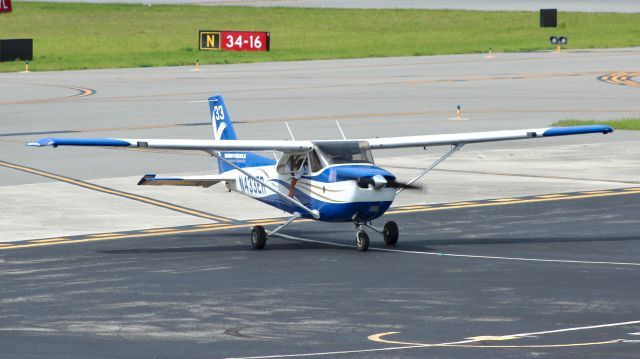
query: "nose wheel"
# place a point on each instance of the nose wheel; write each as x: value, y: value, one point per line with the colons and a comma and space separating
x: 362, y: 240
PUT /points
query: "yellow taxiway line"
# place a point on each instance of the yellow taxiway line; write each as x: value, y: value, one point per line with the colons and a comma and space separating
x: 114, y: 192
x: 145, y: 233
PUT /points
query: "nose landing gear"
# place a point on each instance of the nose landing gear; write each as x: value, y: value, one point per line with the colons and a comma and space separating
x: 389, y: 232
x: 362, y: 240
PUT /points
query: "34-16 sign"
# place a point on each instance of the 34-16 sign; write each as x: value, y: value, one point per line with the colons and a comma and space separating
x: 234, y: 40
x: 5, y: 5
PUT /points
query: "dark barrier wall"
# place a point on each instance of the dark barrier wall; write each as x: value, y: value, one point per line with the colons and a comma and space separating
x: 16, y: 49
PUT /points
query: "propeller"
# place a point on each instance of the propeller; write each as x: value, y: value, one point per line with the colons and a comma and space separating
x: 379, y: 182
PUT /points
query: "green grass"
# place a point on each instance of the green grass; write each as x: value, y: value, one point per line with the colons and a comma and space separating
x: 622, y: 124
x: 79, y: 36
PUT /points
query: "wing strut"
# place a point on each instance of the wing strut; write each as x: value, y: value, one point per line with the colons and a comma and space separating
x: 296, y: 203
x: 453, y: 150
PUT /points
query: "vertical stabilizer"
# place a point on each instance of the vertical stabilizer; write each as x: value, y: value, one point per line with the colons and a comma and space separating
x: 223, y: 130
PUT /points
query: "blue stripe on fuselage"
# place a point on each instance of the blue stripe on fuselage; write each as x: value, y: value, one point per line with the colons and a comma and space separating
x: 348, y: 172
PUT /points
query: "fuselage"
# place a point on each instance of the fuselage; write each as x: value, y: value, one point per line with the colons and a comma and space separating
x: 340, y: 192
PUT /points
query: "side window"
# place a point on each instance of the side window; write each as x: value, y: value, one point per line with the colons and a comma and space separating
x: 283, y: 164
x: 292, y: 163
x: 315, y: 161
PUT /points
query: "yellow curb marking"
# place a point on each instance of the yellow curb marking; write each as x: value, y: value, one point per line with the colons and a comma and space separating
x: 50, y: 240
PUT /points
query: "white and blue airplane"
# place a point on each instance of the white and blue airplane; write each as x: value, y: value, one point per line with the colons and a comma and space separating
x: 339, y: 181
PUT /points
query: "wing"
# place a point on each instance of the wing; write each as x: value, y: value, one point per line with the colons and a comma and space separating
x: 171, y: 144
x: 196, y: 181
x: 305, y: 146
x: 476, y: 137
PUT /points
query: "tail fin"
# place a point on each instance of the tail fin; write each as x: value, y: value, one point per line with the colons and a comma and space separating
x: 220, y: 119
x: 223, y: 130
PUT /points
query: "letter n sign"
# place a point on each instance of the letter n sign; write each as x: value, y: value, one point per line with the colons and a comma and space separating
x: 209, y: 40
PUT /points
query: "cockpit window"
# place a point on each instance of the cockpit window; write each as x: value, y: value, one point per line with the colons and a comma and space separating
x: 292, y: 162
x: 340, y: 152
x: 316, y: 165
x: 325, y: 154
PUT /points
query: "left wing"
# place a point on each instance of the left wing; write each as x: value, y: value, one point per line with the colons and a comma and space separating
x: 477, y: 137
x: 202, y: 145
x: 197, y: 181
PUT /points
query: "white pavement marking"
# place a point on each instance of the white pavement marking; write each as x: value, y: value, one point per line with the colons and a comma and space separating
x: 620, y: 324
x: 462, y: 255
x: 439, y: 344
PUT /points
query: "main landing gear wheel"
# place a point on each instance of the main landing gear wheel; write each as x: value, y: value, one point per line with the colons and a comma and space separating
x: 390, y: 233
x: 362, y: 240
x: 258, y: 237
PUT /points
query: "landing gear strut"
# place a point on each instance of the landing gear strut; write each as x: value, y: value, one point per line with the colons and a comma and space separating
x: 259, y: 234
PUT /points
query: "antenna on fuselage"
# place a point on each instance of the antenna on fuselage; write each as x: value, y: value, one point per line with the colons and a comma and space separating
x: 341, y: 132
x: 289, y: 128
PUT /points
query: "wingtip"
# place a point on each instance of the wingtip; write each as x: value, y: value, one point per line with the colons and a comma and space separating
x: 41, y: 142
x: 577, y: 130
x: 146, y: 178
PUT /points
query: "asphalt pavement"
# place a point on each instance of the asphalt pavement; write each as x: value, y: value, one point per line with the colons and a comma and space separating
x: 557, y: 278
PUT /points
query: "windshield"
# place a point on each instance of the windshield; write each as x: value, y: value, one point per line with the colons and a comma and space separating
x: 340, y: 152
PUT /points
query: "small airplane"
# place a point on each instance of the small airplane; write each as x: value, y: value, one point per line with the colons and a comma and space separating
x: 338, y: 180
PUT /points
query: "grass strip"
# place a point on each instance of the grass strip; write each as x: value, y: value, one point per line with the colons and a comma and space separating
x: 81, y: 36
x: 621, y: 124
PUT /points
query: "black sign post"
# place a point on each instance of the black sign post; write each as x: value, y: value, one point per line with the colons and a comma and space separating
x: 16, y: 49
x: 548, y: 17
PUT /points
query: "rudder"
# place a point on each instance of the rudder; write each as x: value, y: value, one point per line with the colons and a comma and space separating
x: 223, y: 130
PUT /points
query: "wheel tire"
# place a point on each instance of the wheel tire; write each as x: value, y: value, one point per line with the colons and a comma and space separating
x: 390, y: 233
x: 362, y: 241
x: 258, y: 237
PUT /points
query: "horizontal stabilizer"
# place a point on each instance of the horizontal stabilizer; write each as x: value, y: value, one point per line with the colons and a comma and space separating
x: 195, y: 181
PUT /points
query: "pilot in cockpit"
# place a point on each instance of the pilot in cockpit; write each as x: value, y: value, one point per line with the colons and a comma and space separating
x: 297, y: 166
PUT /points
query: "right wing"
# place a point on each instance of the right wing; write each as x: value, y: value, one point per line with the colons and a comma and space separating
x: 202, y: 145
x: 477, y: 137
x: 197, y: 181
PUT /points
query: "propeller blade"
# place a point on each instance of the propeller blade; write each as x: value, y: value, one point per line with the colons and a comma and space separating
x: 403, y: 185
x: 366, y: 181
